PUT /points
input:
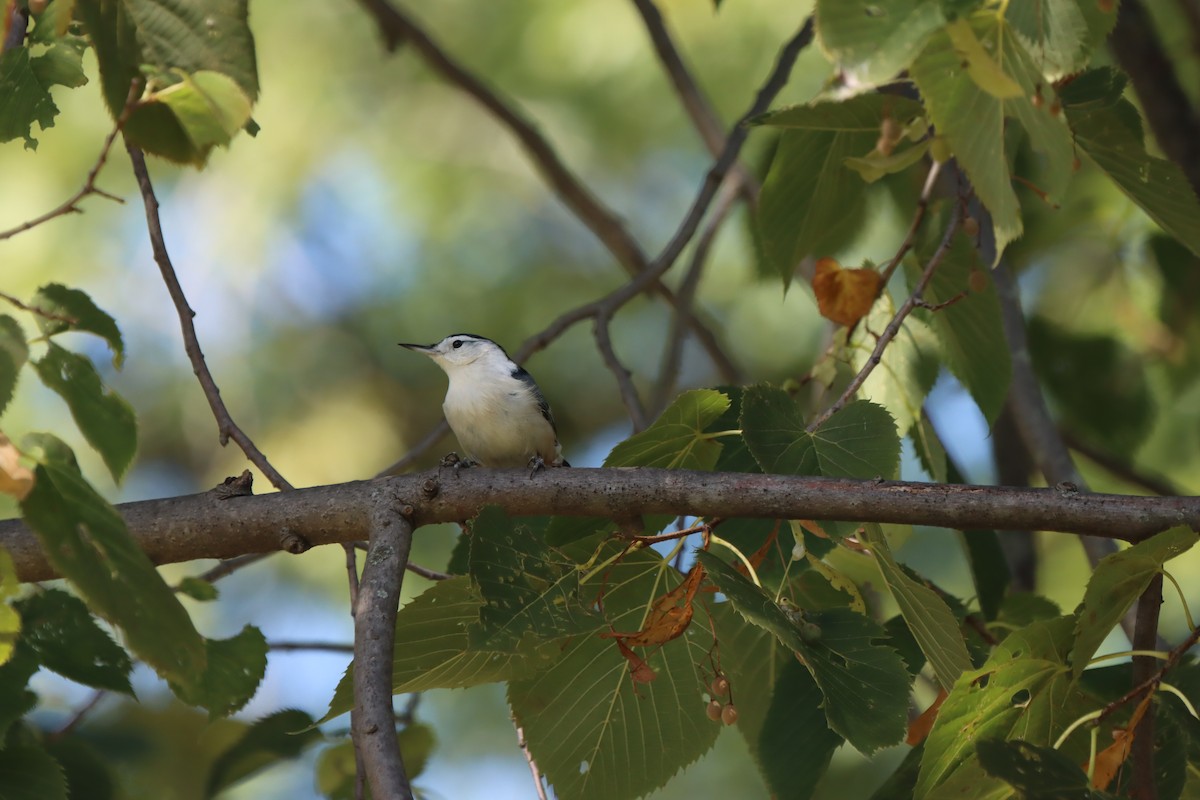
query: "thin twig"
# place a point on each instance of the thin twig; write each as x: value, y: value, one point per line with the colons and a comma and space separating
x: 71, y: 204
x: 1145, y: 668
x: 324, y: 647
x: 629, y: 392
x: 427, y: 573
x: 373, y: 721
x: 533, y: 767
x: 910, y: 238
x: 226, y: 427
x: 893, y: 327
x: 1121, y: 469
x: 668, y: 374
x: 41, y: 312
x: 18, y: 24
x: 232, y: 565
x: 397, y: 27
x: 704, y: 117
x: 77, y: 718
x: 418, y: 450
x: 612, y: 302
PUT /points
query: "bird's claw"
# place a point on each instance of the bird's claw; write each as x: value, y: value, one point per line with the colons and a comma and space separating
x: 456, y: 462
x: 536, y: 464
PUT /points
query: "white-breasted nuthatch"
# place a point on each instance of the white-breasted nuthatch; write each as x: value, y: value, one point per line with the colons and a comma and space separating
x: 493, y: 406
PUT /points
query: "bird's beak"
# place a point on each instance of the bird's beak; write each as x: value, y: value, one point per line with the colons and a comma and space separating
x: 420, y: 348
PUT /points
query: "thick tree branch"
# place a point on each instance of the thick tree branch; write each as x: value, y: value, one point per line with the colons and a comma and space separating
x: 373, y: 720
x: 204, y: 526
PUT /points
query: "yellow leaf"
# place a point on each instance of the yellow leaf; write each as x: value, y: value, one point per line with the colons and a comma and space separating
x: 983, y: 69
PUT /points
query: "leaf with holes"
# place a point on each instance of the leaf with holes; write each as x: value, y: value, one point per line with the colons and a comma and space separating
x: 864, y: 683
x: 1116, y: 583
x: 26, y: 99
x: 234, y: 669
x: 1023, y: 691
x: 593, y: 731
x: 530, y: 590
x: 677, y: 439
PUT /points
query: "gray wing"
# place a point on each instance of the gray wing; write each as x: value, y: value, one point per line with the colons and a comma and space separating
x: 524, y: 377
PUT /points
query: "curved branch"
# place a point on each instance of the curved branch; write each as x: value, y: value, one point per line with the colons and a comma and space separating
x: 204, y: 526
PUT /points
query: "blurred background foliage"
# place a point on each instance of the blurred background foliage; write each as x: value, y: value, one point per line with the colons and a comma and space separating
x: 379, y: 205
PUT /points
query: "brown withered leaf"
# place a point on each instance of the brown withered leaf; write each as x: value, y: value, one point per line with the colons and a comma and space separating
x: 639, y: 670
x: 1110, y: 759
x: 843, y: 295
x: 669, y: 616
x: 920, y: 727
x: 15, y: 479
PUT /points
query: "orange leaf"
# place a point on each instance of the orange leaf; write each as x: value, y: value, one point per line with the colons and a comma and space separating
x: 759, y: 555
x: 921, y: 726
x: 15, y: 479
x: 1110, y: 759
x: 844, y: 295
x: 669, y: 617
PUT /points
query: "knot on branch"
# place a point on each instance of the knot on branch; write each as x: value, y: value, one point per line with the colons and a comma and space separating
x: 235, y: 486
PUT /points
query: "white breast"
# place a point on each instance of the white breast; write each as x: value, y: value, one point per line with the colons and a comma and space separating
x: 497, y: 421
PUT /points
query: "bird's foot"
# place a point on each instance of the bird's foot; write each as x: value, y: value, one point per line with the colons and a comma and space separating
x: 456, y: 462
x: 536, y: 464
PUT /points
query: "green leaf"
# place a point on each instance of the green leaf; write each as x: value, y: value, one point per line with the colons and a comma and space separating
x: 971, y: 116
x: 1098, y: 382
x: 197, y: 589
x: 15, y: 698
x: 66, y: 639
x: 530, y: 591
x: 28, y: 772
x: 103, y: 416
x: 235, y: 667
x: 932, y: 623
x: 170, y: 38
x: 62, y: 64
x: 779, y: 706
x: 875, y: 165
x: 969, y: 330
x: 871, y: 42
x: 907, y: 370
x: 677, y: 439
x: 14, y: 352
x: 25, y: 100
x: 1109, y: 134
x: 929, y: 449
x: 809, y: 206
x: 417, y: 742
x: 432, y: 647
x: 87, y: 542
x: 1024, y: 690
x: 210, y: 107
x: 1116, y: 582
x: 84, y: 315
x: 278, y: 737
x: 86, y: 771
x: 864, y: 684
x: 1038, y: 773
x: 10, y: 620
x: 859, y: 441
x: 336, y: 770
x: 594, y: 732
x: 1054, y: 32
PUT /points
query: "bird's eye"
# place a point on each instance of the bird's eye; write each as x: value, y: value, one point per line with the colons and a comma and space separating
x: 457, y: 344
